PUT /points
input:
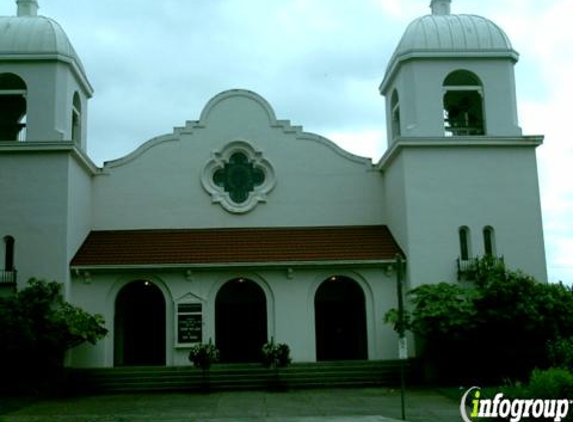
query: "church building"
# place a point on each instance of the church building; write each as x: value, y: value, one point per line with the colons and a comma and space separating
x: 239, y: 227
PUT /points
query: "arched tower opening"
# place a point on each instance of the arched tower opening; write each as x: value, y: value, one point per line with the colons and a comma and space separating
x: 465, y: 246
x: 13, y: 107
x: 463, y: 104
x: 9, y: 253
x: 489, y: 241
x: 76, y: 119
x: 395, y: 113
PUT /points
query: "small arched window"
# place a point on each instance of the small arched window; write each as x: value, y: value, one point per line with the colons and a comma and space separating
x: 9, y: 253
x: 76, y: 119
x: 464, y: 235
x: 463, y: 104
x: 12, y: 107
x: 395, y: 112
x: 489, y: 241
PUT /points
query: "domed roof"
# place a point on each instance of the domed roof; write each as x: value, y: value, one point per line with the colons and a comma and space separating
x: 446, y: 35
x: 35, y: 37
x: 438, y: 33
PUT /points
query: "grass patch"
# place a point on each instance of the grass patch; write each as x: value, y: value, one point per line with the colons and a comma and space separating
x: 12, y: 404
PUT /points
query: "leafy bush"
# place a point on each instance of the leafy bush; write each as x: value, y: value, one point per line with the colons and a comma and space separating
x: 276, y: 355
x: 37, y: 326
x: 204, y: 355
x: 443, y: 310
x: 498, y: 327
x: 553, y: 383
x: 548, y: 384
x: 560, y: 352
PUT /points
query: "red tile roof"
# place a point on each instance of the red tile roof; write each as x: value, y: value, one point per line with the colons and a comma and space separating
x: 252, y: 245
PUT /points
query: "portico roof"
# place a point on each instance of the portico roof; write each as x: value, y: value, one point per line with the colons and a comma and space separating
x: 236, y: 246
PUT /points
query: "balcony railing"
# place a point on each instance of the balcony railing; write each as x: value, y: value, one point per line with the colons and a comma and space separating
x: 468, y: 268
x: 463, y: 130
x: 8, y: 277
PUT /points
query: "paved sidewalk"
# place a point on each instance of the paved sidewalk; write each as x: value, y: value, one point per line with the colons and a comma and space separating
x: 332, y: 405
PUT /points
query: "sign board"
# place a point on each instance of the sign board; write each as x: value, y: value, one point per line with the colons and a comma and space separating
x: 189, y: 323
x: 402, y: 348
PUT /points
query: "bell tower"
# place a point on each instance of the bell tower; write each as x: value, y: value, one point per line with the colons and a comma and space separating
x: 451, y: 76
x: 44, y: 89
x: 461, y: 178
x: 45, y: 175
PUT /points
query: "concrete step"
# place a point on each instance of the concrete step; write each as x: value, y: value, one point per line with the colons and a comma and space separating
x: 236, y: 377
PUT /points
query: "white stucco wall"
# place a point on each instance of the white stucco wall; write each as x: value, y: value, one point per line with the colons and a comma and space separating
x: 34, y: 211
x: 419, y: 84
x: 46, y: 207
x: 79, y: 209
x: 450, y: 187
x: 290, y: 306
x: 395, y: 179
x: 49, y: 98
x: 159, y: 185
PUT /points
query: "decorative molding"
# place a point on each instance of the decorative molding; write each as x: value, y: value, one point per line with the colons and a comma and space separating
x: 284, y: 126
x: 220, y: 161
x: 84, y: 276
x: 236, y: 265
x: 389, y: 269
x: 153, y: 142
x: 190, y: 298
x: 400, y: 143
x: 50, y: 147
x: 191, y: 126
x: 244, y: 93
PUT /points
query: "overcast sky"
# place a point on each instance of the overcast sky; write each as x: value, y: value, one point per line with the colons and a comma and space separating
x: 155, y: 63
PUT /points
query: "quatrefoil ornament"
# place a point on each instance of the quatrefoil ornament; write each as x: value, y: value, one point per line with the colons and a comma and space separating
x: 238, y: 177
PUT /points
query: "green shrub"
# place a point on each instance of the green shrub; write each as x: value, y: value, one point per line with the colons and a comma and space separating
x: 204, y: 355
x: 276, y: 355
x: 495, y: 328
x: 553, y: 383
x: 560, y: 352
x: 37, y: 326
x: 548, y: 384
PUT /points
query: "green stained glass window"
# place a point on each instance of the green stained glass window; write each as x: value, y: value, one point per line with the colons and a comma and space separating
x: 239, y: 177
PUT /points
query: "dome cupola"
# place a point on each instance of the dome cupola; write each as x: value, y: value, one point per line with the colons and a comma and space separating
x: 43, y: 85
x: 28, y: 36
x: 451, y: 75
x: 443, y: 34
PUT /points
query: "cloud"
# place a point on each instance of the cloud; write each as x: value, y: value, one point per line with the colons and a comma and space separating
x: 549, y: 46
x: 158, y: 67
x: 360, y: 142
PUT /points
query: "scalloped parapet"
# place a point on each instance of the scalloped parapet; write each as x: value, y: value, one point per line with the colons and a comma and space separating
x: 240, y: 166
x: 232, y: 110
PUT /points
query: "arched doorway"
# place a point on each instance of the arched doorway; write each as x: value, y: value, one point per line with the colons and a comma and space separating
x: 340, y: 320
x: 139, y: 325
x: 240, y: 321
